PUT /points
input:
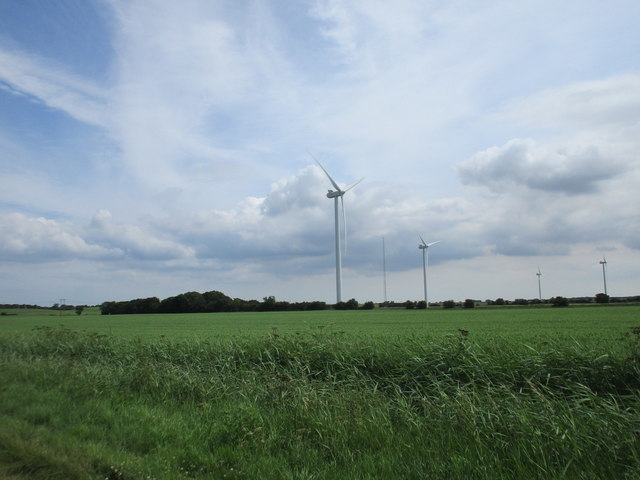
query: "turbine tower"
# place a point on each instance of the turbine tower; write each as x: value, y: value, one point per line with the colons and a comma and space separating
x: 384, y: 272
x: 336, y: 194
x: 539, y: 274
x: 424, y: 246
x: 603, y: 262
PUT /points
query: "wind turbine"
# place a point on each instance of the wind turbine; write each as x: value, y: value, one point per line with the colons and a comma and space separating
x: 424, y: 246
x: 603, y: 262
x: 539, y: 274
x: 384, y: 272
x: 336, y: 194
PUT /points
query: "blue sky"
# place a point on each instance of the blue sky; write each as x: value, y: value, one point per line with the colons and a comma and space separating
x: 149, y: 148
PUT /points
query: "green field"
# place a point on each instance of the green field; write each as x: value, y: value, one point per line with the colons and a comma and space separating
x: 483, y: 393
x: 594, y: 323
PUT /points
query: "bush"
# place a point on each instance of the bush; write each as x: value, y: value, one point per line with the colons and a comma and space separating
x: 348, y: 305
x: 499, y: 301
x: 409, y: 305
x: 421, y: 305
x: 367, y: 306
x: 448, y: 304
x: 559, y: 302
x: 469, y: 303
x: 602, y: 298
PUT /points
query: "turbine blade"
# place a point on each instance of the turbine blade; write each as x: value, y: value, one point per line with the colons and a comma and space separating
x: 335, y: 185
x: 352, y: 185
x: 344, y: 223
x: 422, y: 240
x: 433, y: 243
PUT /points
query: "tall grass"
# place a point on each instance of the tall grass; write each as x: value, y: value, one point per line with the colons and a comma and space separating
x: 321, y: 405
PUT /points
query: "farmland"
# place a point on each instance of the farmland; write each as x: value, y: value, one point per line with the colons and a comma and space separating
x: 593, y: 323
x: 483, y: 393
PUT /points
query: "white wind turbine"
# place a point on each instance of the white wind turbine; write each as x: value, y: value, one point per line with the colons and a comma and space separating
x: 424, y: 246
x: 603, y: 262
x: 336, y: 194
x: 539, y: 274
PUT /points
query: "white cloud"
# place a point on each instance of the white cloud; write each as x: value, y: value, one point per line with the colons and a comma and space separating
x: 577, y: 180
x: 37, y: 239
x: 296, y: 192
x: 44, y: 81
x: 134, y: 241
x: 609, y: 104
x: 522, y: 163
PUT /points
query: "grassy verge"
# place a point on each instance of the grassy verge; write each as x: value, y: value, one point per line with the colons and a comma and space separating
x: 324, y: 405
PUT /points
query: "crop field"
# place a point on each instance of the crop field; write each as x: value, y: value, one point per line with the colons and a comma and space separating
x: 475, y: 394
x: 592, y: 323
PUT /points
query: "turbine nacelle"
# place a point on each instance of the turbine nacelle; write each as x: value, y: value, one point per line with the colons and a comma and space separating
x: 424, y: 245
x: 334, y: 194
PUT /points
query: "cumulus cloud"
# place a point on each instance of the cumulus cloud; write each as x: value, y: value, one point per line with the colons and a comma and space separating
x: 523, y: 163
x: 574, y: 183
x: 26, y: 238
x: 135, y: 242
x: 296, y: 192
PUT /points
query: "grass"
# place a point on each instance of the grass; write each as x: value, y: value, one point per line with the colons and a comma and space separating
x: 605, y: 323
x: 375, y: 395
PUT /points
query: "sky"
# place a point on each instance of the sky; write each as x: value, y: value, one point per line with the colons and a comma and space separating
x: 154, y: 147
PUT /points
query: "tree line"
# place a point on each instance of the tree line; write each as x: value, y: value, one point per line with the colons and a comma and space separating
x: 215, y: 301
x: 207, y: 302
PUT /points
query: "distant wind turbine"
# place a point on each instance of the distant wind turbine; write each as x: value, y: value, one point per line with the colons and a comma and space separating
x: 603, y: 262
x: 384, y: 272
x: 424, y: 246
x: 336, y: 194
x: 539, y: 274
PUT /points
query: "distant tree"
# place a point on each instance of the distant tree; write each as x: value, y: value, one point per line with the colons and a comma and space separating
x: 190, y: 302
x: 448, y: 304
x: 317, y: 305
x: 352, y: 304
x: 499, y: 301
x: 106, y: 308
x: 469, y: 303
x: 79, y: 309
x: 268, y: 304
x: 240, y: 305
x: 409, y: 305
x: 367, y: 306
x: 602, y: 298
x: 141, y: 305
x: 559, y: 302
x: 217, y: 301
x: 521, y: 301
x: 421, y: 305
